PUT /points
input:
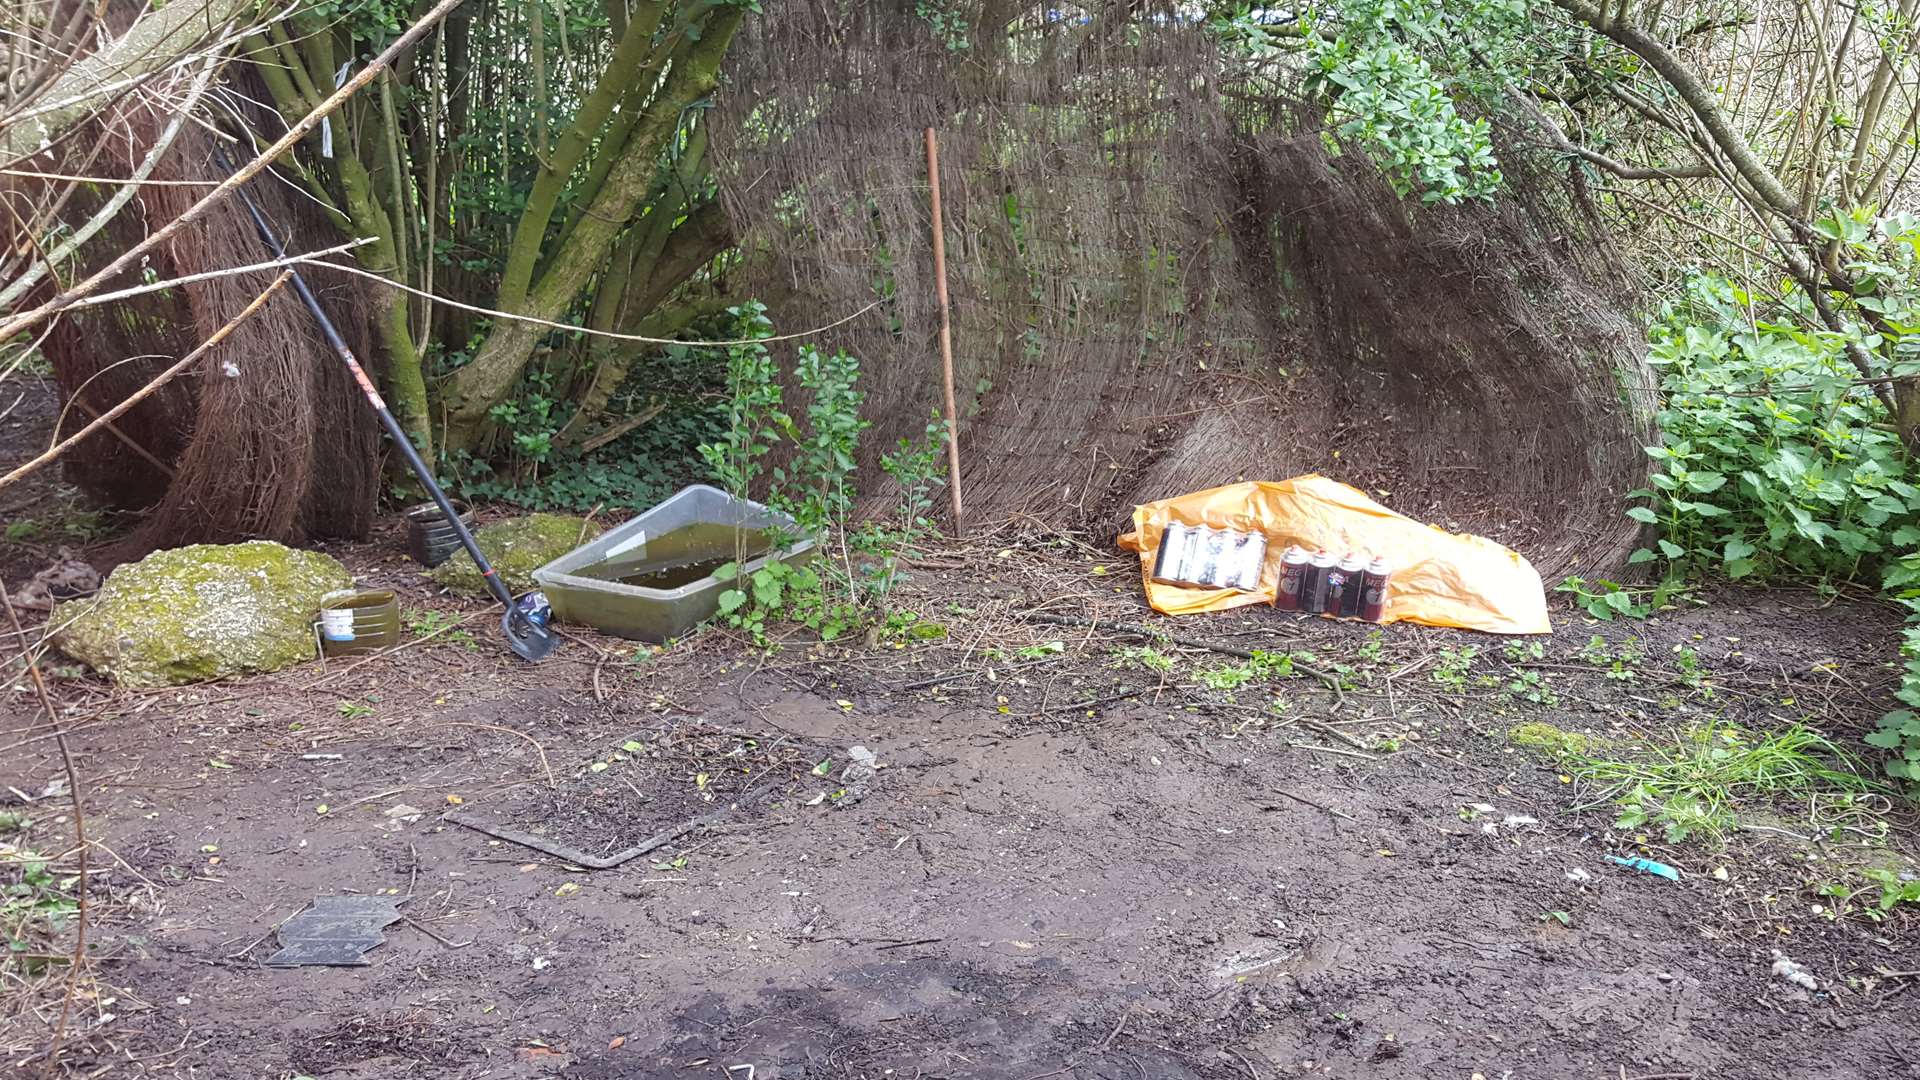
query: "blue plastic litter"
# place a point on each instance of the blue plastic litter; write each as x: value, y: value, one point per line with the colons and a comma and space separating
x: 1657, y: 869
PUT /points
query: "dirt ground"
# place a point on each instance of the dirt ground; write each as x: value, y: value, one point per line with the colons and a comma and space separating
x: 1063, y: 867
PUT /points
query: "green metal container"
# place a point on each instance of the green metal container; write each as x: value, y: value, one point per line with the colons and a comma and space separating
x: 651, y: 578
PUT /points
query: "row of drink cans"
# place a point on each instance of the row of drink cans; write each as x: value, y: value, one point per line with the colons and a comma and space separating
x: 1347, y: 588
x: 1197, y: 556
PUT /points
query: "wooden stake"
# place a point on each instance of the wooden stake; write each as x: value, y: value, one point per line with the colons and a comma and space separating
x: 946, y: 331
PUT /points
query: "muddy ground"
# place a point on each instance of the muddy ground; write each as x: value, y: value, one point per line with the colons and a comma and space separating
x: 1172, y: 882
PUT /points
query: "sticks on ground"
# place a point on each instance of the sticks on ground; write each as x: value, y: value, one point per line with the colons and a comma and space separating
x: 1331, y: 680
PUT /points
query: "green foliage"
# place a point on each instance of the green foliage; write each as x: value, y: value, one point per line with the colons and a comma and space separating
x: 1371, y: 649
x: 1605, y: 599
x: 1225, y: 676
x: 35, y: 908
x: 1894, y: 889
x: 816, y: 491
x: 1520, y: 652
x: 1774, y: 461
x: 780, y: 590
x: 915, y: 469
x: 1534, y: 686
x: 1144, y: 656
x: 948, y: 22
x: 1374, y: 62
x: 441, y: 626
x: 1693, y: 787
x: 753, y: 413
x: 827, y: 596
x: 67, y: 526
x: 1453, y: 667
x: 1618, y: 666
x: 1262, y: 665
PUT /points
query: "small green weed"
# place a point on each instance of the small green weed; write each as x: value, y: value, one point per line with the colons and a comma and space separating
x: 1520, y: 652
x: 1453, y: 667
x: 35, y: 908
x: 779, y: 591
x: 67, y: 526
x: 1261, y: 665
x: 422, y: 622
x: 1225, y: 677
x: 1370, y: 650
x: 1692, y: 672
x: 1619, y: 666
x: 1041, y: 651
x: 1894, y: 889
x: 1143, y: 656
x: 1604, y: 599
x: 354, y: 710
x: 1532, y: 686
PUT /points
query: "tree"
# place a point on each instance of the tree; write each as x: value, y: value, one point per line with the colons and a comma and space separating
x: 464, y: 177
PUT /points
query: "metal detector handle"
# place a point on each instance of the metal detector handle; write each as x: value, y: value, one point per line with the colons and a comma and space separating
x: 394, y: 430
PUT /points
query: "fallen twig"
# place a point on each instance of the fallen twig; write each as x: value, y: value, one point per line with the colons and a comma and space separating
x: 436, y: 937
x: 1332, y: 750
x: 537, y: 748
x: 1304, y: 801
x: 1334, y: 733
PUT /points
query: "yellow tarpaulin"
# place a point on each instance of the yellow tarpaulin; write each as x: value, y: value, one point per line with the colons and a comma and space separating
x: 1439, y: 578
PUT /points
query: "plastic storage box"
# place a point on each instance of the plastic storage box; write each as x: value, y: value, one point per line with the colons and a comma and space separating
x: 581, y: 587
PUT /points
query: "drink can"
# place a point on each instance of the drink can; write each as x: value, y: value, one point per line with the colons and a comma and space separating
x: 1171, y: 561
x: 1313, y: 593
x: 1254, y: 564
x: 1226, y: 569
x: 1293, y: 573
x: 1210, y: 546
x: 1373, y: 603
x: 1351, y: 572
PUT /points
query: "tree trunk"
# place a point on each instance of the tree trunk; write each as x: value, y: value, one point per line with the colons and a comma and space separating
x: 693, y: 71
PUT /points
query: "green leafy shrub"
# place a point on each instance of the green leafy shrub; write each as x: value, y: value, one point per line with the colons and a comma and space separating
x: 846, y: 585
x: 1776, y: 461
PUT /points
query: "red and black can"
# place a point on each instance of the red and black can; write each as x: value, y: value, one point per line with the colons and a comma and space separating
x: 1313, y: 589
x: 1293, y: 574
x: 1373, y: 604
x: 1343, y: 601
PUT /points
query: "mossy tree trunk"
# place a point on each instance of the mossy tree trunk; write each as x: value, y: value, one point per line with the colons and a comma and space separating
x: 298, y: 75
x: 615, y: 144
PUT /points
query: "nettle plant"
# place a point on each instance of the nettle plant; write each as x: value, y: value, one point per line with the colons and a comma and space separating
x: 1778, y: 462
x: 1775, y: 461
x: 815, y: 487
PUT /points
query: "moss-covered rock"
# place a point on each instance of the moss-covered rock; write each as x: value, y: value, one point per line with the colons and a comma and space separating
x: 516, y: 548
x: 1552, y: 740
x: 201, y: 612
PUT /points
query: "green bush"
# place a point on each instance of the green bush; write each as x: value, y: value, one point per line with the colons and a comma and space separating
x: 1776, y: 462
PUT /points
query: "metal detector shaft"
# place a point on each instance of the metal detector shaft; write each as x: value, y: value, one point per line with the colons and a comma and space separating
x: 394, y: 431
